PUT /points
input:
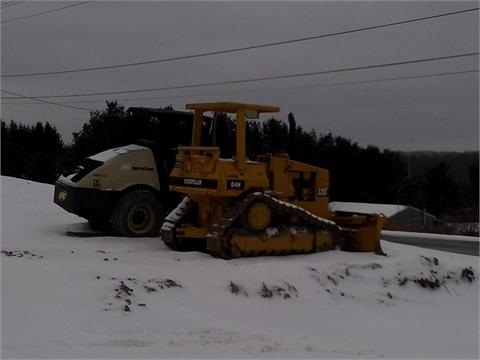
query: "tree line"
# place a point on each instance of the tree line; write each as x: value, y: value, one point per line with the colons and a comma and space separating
x: 357, y: 174
x: 31, y: 152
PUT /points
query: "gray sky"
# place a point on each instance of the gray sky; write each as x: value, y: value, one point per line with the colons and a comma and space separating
x: 432, y: 113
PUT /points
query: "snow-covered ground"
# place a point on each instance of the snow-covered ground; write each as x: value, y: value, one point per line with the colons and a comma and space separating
x: 110, y: 297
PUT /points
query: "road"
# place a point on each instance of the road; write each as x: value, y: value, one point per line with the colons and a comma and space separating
x: 455, y: 246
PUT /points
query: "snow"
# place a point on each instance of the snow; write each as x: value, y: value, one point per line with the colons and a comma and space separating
x: 366, y: 208
x: 66, y: 297
x: 272, y: 232
x: 175, y: 215
x: 293, y: 206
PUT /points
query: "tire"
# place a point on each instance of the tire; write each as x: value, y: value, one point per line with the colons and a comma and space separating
x: 137, y: 213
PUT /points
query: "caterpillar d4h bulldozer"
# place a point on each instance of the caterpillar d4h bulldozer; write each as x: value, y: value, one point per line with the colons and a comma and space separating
x: 271, y: 206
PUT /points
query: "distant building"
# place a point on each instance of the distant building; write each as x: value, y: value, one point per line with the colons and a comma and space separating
x: 400, y: 217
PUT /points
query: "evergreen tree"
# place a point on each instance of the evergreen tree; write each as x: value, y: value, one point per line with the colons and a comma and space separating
x: 275, y: 136
x: 31, y: 152
x: 411, y: 192
x: 106, y: 129
x: 254, y: 139
x: 471, y: 192
x: 441, y: 191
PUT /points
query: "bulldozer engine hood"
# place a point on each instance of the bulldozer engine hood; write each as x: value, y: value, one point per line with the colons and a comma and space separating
x: 92, y: 186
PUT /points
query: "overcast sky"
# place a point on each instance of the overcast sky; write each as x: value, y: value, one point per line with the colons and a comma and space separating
x: 421, y: 113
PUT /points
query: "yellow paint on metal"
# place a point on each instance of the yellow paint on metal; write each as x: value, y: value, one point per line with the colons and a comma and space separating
x: 361, y: 235
x: 231, y: 107
x: 258, y: 216
x: 193, y: 232
x: 324, y: 241
x: 282, y: 242
x: 302, y: 242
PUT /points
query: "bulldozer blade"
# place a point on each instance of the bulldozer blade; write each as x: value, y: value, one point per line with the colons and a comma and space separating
x: 361, y: 232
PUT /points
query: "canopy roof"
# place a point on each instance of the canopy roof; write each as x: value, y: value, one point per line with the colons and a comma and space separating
x: 158, y: 112
x: 232, y: 107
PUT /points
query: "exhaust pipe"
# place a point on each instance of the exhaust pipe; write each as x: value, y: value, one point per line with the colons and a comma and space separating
x: 292, y: 131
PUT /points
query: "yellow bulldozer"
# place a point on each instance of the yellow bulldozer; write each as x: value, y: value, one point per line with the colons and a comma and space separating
x: 270, y: 205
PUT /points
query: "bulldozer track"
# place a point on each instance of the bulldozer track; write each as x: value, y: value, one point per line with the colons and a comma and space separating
x: 220, y: 234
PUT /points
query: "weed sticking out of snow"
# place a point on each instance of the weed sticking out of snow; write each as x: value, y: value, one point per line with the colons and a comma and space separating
x: 340, y: 281
x: 435, y: 275
x: 129, y: 288
x: 237, y: 289
x: 286, y: 291
x: 468, y: 274
x: 20, y: 254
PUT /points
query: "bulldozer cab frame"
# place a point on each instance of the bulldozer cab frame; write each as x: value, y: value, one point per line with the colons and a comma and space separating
x: 243, y: 112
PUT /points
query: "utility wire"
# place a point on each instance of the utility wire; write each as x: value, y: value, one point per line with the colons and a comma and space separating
x: 250, y: 47
x: 11, y: 3
x: 419, y: 76
x: 277, y: 77
x: 44, y: 101
x: 44, y: 12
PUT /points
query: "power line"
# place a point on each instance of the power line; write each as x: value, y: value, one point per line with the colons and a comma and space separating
x: 420, y: 76
x: 7, y: 4
x: 44, y: 101
x: 250, y: 47
x: 277, y: 77
x: 411, y: 77
x: 44, y: 12
x: 11, y: 3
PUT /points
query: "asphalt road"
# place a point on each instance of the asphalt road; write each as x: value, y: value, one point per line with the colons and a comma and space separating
x: 455, y: 246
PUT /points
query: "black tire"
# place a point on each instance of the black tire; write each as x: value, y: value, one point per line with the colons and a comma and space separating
x: 137, y: 213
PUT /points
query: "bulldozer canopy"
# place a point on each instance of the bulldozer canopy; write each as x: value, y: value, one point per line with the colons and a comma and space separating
x: 251, y: 110
x: 161, y: 113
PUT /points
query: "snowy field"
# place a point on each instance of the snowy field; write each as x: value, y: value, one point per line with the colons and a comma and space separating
x: 110, y: 297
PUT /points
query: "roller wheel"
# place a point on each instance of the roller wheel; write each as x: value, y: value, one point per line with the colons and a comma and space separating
x: 137, y: 213
x: 257, y: 216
